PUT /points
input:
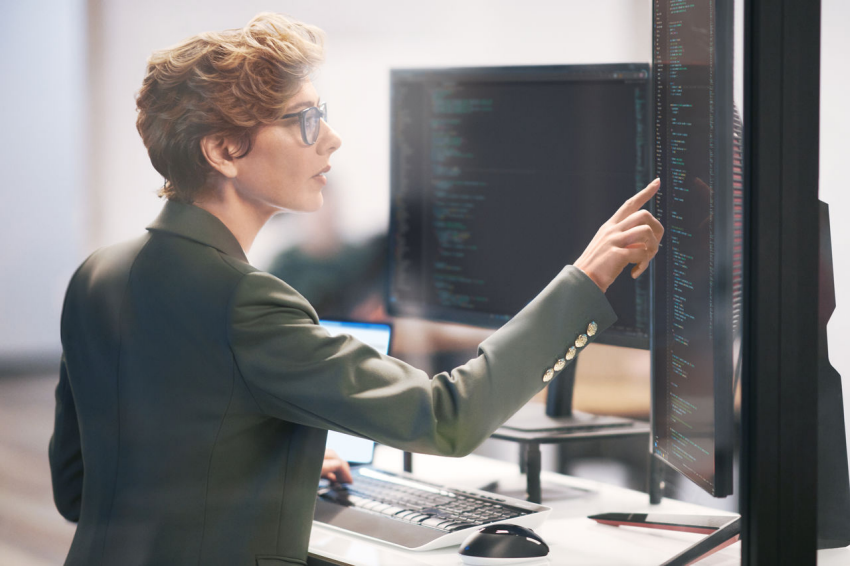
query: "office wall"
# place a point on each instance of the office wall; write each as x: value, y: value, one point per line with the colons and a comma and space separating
x: 834, y: 148
x: 44, y: 197
x: 365, y: 40
x: 78, y: 177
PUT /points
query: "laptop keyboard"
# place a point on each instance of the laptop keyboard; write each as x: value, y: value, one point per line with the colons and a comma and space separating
x: 418, y: 502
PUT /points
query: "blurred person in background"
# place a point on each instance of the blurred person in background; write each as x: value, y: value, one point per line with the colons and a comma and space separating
x: 196, y: 391
x: 346, y: 280
x: 342, y: 279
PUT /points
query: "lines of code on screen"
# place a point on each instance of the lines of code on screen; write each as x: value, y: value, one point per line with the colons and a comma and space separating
x: 686, y: 148
x: 500, y: 178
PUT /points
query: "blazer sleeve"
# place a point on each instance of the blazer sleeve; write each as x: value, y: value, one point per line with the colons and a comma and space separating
x: 65, y: 452
x: 297, y: 372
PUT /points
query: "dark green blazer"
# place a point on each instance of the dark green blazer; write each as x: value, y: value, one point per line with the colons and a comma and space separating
x: 196, y: 391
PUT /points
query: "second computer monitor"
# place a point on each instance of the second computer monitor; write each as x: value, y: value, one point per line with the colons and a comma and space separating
x: 698, y: 269
x: 501, y: 176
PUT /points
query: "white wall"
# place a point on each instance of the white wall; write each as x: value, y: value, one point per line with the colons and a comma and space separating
x: 77, y: 176
x: 365, y: 40
x: 44, y: 198
x: 834, y: 175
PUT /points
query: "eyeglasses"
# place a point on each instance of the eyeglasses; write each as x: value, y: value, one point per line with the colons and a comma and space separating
x: 311, y: 121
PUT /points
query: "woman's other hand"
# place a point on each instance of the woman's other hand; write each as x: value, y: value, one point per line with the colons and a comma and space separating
x: 335, y: 468
x: 631, y: 236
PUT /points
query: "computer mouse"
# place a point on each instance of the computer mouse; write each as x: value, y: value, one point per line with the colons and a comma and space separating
x: 502, y: 543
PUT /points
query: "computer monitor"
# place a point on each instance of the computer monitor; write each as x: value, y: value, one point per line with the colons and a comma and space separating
x: 697, y: 272
x: 500, y: 176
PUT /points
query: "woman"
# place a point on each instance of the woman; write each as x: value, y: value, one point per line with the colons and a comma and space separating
x: 196, y: 391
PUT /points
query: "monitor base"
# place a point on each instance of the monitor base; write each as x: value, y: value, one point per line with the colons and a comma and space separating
x: 517, y: 488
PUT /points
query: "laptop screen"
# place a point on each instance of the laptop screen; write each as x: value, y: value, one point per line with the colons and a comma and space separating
x: 351, y: 448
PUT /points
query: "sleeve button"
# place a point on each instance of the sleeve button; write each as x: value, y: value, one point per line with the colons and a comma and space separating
x: 592, y: 328
x: 571, y: 353
x: 581, y: 340
x: 559, y: 365
x: 547, y: 377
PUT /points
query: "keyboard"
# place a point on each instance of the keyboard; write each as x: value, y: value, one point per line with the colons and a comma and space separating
x: 402, y: 510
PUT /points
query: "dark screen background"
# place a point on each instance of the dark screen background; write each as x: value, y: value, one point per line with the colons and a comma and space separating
x: 499, y: 179
x: 692, y: 391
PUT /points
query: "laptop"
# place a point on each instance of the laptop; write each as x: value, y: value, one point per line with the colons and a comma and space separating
x: 398, y: 508
x: 355, y: 450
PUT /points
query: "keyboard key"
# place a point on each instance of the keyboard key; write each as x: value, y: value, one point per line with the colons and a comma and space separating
x: 459, y: 526
x: 436, y: 522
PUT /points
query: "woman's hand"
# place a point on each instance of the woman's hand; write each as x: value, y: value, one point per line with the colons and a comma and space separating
x: 336, y: 469
x: 630, y: 236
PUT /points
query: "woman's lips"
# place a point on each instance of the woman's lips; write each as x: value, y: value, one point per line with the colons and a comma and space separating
x: 320, y: 176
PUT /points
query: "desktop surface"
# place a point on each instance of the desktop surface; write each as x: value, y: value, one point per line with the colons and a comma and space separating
x: 571, y: 536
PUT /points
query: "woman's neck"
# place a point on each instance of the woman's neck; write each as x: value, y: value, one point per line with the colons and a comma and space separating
x: 243, y: 218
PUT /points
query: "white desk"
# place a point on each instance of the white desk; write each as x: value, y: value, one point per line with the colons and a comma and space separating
x: 573, y: 539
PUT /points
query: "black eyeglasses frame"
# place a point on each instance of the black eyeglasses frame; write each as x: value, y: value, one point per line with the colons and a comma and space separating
x: 302, y: 118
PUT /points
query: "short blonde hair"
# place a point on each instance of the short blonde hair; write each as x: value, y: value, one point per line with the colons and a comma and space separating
x: 220, y: 83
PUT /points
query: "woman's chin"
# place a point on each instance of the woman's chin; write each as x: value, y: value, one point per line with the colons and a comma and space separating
x: 314, y: 204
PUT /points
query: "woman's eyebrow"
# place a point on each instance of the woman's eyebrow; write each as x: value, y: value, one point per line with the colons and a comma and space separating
x: 301, y: 106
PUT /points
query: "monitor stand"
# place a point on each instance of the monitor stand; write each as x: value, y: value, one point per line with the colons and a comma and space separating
x: 531, y: 427
x: 559, y: 415
x: 833, y: 477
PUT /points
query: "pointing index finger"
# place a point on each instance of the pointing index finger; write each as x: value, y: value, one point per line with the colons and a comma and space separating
x: 636, y: 202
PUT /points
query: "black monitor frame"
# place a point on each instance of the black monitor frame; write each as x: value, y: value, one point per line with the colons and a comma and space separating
x: 612, y: 336
x: 779, y: 463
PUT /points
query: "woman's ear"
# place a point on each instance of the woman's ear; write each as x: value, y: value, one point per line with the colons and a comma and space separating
x: 219, y: 152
